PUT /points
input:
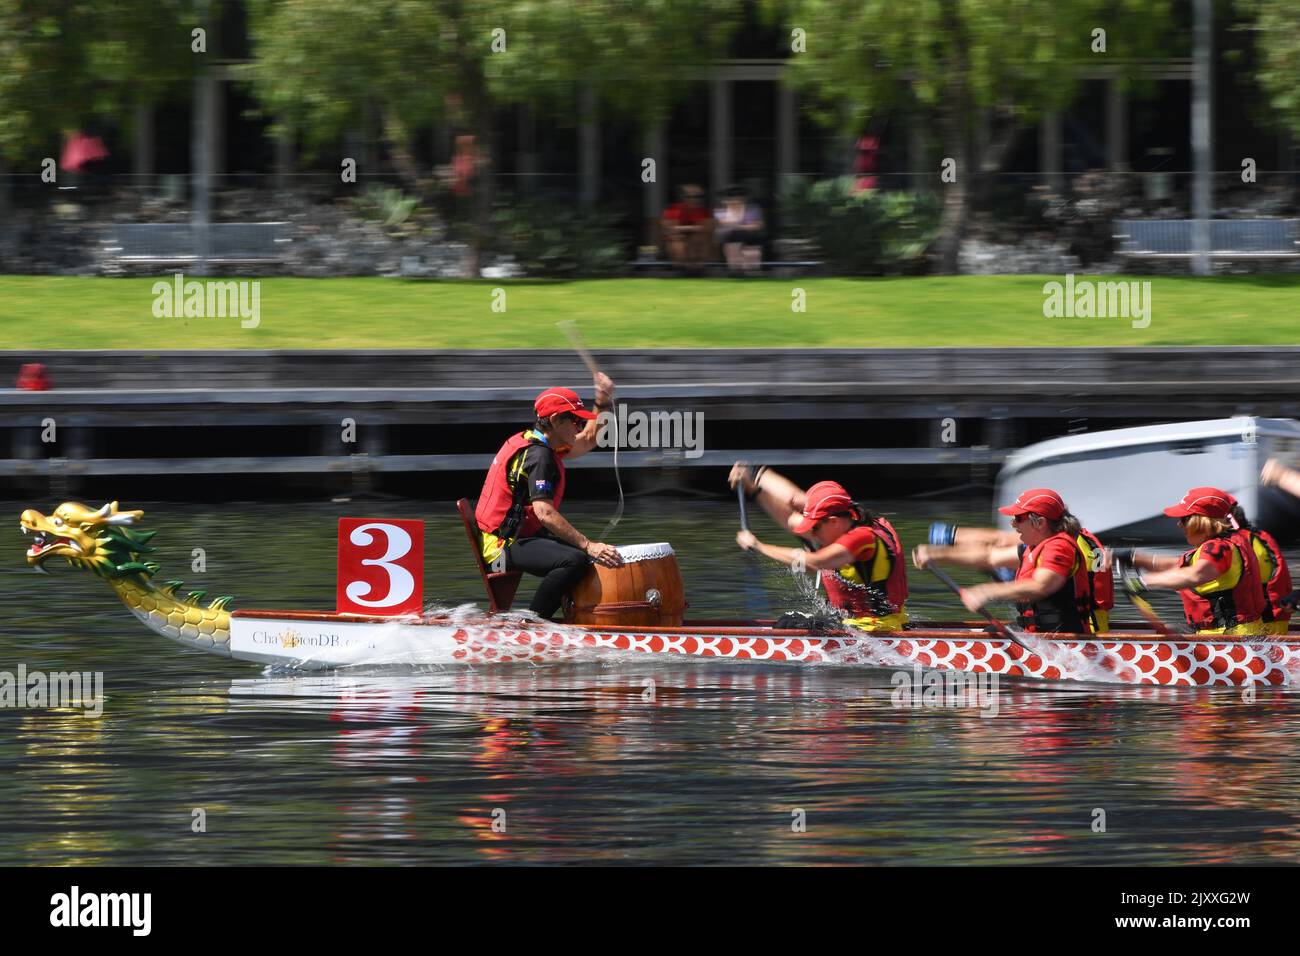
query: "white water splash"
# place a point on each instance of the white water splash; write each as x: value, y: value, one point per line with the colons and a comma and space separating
x: 1073, y: 663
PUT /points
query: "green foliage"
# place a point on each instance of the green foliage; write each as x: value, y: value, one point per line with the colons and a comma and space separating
x: 640, y: 56
x: 862, y: 233
x: 319, y: 65
x: 1021, y: 56
x: 385, y: 204
x: 558, y: 240
x: 61, y: 64
x: 1277, y: 42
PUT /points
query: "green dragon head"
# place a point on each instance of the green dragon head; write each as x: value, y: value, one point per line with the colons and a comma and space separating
x: 97, y: 540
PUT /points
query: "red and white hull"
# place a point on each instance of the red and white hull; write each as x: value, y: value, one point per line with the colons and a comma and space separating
x: 326, y: 641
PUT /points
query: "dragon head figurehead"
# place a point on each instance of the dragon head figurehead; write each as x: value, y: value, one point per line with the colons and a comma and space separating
x: 95, y: 539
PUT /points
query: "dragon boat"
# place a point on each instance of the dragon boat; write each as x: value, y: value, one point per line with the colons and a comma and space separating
x: 109, y: 543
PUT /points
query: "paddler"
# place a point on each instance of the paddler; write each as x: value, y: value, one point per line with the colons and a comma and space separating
x: 1051, y: 588
x: 859, y: 555
x: 1101, y: 585
x: 518, y: 511
x: 1279, y: 475
x: 1218, y: 578
x: 1273, y: 570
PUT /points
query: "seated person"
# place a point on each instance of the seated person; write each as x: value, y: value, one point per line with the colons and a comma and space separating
x: 1051, y: 589
x: 688, y: 229
x: 518, y: 510
x: 858, y: 554
x: 1218, y: 577
x: 1100, y: 582
x: 740, y: 231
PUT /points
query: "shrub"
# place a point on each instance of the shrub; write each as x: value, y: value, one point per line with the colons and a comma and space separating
x: 558, y: 240
x: 869, y: 233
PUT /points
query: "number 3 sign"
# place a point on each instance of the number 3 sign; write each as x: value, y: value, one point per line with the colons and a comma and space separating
x: 381, y: 566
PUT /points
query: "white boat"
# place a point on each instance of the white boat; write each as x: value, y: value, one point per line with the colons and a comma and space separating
x: 1119, y: 482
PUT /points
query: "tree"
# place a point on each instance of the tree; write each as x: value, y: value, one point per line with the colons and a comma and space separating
x: 325, y: 65
x: 62, y: 63
x: 640, y: 56
x: 66, y: 62
x: 954, y: 60
x: 1277, y: 40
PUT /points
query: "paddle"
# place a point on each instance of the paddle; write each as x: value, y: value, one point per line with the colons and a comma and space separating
x: 1128, y: 577
x: 570, y: 328
x: 755, y: 596
x: 956, y: 589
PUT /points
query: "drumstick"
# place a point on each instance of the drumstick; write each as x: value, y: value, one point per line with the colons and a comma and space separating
x: 570, y: 328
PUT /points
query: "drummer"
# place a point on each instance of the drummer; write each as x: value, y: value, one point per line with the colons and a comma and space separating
x: 1218, y: 578
x: 1051, y: 587
x: 518, y: 511
x: 858, y: 556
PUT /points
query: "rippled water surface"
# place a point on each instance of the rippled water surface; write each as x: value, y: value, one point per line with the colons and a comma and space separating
x: 629, y: 761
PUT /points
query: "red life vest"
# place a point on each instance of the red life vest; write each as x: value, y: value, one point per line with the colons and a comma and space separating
x: 1278, y: 584
x: 504, y: 512
x: 882, y: 586
x: 1242, y: 603
x: 1101, y: 583
x: 1069, y: 608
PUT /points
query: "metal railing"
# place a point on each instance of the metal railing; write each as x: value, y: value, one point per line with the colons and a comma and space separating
x: 228, y: 242
x: 1229, y: 238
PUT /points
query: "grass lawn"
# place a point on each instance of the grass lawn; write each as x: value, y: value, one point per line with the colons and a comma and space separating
x: 49, y: 312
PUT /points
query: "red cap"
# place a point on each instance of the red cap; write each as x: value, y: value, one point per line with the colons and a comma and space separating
x: 1210, y: 502
x: 1039, y: 501
x: 553, y: 401
x: 824, y: 499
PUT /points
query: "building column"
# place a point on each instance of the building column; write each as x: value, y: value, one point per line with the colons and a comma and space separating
x: 526, y: 149
x: 719, y: 136
x: 284, y: 157
x: 201, y: 166
x: 1202, y: 133
x: 588, y: 148
x: 1116, y: 126
x: 787, y: 135
x: 142, y: 157
x: 1285, y: 146
x: 920, y: 176
x: 217, y: 115
x: 1049, y: 151
x: 656, y: 148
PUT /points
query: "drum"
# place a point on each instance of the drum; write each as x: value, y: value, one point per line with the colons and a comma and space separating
x: 645, y: 592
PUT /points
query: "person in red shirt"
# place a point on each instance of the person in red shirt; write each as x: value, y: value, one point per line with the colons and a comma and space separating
x: 1100, y: 582
x: 688, y: 228
x: 1051, y: 588
x: 859, y: 557
x: 1218, y: 578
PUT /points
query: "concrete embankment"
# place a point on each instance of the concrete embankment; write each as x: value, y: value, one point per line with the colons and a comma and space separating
x: 315, y: 421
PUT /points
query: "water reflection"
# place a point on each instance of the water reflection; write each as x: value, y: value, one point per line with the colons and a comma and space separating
x: 574, y: 756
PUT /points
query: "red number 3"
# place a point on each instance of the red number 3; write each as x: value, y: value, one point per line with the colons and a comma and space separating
x: 381, y: 566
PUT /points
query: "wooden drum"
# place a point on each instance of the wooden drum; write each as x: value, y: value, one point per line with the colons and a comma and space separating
x: 645, y: 592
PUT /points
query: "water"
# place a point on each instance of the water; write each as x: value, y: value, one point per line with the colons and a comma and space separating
x: 631, y: 761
